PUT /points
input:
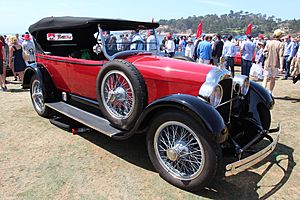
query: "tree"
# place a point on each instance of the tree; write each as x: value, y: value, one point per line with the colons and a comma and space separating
x: 232, y: 23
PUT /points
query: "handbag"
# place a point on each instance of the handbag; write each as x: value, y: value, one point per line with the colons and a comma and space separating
x: 256, y: 71
x: 26, y: 55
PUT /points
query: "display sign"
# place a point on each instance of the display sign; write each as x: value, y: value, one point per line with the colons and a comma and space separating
x: 59, y: 36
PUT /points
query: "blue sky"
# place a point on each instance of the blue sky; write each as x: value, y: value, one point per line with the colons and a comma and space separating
x: 17, y: 15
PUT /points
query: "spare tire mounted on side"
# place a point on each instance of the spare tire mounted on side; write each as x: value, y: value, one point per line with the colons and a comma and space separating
x: 121, y: 93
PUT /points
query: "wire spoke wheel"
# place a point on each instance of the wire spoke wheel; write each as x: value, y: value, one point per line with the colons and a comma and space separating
x: 179, y: 150
x: 37, y: 96
x: 117, y: 94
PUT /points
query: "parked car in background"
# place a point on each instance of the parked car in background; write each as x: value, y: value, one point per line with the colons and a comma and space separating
x: 238, y: 57
x: 101, y: 73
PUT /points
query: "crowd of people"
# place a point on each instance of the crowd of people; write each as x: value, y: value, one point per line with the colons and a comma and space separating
x: 15, y: 53
x: 278, y: 54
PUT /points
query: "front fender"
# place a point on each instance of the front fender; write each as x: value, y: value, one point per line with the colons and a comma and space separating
x: 260, y: 94
x: 192, y: 105
x: 256, y: 97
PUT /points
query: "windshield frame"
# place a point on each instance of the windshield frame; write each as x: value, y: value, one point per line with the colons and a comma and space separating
x: 126, y: 52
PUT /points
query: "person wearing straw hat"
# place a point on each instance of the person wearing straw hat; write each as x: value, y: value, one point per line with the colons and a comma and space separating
x: 189, y: 49
x: 28, y: 49
x: 272, y: 52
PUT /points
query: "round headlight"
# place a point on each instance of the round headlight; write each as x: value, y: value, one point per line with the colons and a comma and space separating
x: 216, y: 96
x: 212, y: 93
x: 242, y: 83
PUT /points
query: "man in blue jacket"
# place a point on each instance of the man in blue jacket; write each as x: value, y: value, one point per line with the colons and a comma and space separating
x: 204, y: 50
x: 247, y: 51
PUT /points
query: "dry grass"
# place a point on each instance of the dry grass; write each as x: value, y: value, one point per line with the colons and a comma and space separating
x: 41, y: 161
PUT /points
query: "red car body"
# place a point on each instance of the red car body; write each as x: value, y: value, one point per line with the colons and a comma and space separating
x: 163, y: 76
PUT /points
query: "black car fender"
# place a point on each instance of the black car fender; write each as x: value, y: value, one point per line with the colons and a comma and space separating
x: 260, y: 94
x: 192, y: 105
x: 28, y: 74
x: 256, y: 97
x: 46, y: 80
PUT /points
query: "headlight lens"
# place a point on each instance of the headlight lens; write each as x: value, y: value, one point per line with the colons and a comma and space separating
x: 241, y: 84
x: 216, y: 96
x: 213, y: 93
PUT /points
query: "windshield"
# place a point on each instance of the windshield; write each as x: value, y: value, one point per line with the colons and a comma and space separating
x: 119, y: 42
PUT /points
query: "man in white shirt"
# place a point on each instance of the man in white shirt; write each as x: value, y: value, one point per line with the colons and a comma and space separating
x: 29, y: 49
x: 170, y: 46
x: 229, y: 51
x: 189, y: 49
x: 152, y: 42
x: 137, y: 42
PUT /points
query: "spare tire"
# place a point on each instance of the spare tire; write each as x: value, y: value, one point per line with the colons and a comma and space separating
x: 122, y: 93
x: 185, y: 58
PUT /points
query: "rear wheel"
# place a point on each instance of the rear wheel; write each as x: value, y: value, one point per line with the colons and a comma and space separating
x: 182, y: 151
x: 38, y: 97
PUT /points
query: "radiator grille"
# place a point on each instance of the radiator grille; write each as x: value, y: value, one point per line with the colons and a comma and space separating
x: 225, y: 109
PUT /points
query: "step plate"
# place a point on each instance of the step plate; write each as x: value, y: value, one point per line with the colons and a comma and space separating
x: 93, y: 121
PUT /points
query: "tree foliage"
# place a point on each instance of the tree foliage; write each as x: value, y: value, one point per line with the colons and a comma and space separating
x: 234, y: 23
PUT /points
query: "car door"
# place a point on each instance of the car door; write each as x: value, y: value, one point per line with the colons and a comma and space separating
x: 82, y: 76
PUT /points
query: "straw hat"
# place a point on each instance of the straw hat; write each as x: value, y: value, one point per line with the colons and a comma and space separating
x: 277, y: 33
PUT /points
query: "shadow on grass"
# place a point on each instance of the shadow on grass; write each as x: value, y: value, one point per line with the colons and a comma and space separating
x: 17, y: 90
x: 133, y: 150
x: 245, y: 185
x: 287, y: 98
x: 241, y: 186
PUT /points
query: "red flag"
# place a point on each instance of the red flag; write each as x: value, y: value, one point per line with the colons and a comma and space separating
x: 249, y: 29
x: 199, y: 29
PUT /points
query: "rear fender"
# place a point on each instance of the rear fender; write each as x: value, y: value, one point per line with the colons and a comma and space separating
x: 46, y: 80
x: 199, y: 109
x: 29, y: 73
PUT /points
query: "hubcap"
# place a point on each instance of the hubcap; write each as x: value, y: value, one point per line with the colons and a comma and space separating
x: 117, y: 94
x: 37, y: 96
x: 179, y: 150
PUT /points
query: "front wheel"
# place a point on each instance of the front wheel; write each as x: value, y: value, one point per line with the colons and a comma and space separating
x: 182, y: 151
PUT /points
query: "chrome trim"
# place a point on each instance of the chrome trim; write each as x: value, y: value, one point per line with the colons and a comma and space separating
x: 241, y: 165
x: 214, y: 76
x: 207, y: 89
x: 229, y: 101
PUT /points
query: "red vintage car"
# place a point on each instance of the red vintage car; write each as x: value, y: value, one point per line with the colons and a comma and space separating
x: 104, y: 74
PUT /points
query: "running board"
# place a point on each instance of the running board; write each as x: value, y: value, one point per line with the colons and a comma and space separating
x: 93, y: 121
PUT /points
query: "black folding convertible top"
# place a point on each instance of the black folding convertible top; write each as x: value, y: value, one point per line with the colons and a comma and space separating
x: 82, y: 29
x: 58, y: 23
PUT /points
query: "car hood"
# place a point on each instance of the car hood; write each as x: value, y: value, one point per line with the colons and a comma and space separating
x: 169, y: 69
